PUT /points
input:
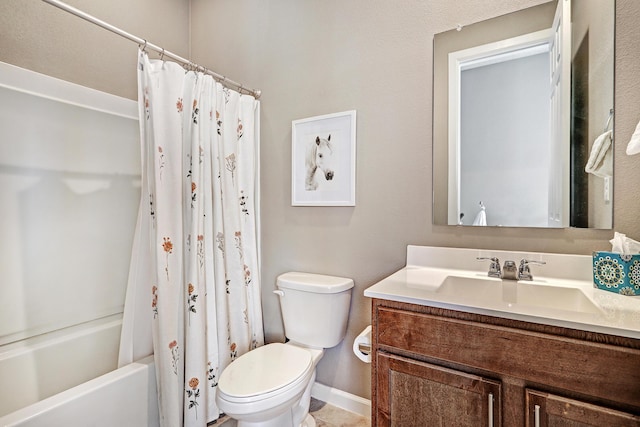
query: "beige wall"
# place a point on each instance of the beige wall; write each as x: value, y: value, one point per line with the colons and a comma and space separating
x: 43, y: 38
x: 314, y: 57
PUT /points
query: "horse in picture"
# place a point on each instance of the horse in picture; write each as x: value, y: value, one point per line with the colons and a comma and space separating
x: 319, y: 157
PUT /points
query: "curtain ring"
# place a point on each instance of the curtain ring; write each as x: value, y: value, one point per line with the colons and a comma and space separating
x: 162, y: 55
x: 144, y: 47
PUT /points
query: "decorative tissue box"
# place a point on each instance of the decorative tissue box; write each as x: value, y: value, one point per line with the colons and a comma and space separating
x: 617, y: 273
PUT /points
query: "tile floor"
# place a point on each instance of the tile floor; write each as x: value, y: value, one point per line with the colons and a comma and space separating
x: 326, y: 416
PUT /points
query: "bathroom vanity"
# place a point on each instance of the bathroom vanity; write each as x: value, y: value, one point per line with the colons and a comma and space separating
x: 453, y: 347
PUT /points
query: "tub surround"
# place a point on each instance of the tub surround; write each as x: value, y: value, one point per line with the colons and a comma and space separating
x: 565, y: 280
x: 43, y: 366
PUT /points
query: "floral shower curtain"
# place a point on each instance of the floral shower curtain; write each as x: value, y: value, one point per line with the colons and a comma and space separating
x: 194, y: 283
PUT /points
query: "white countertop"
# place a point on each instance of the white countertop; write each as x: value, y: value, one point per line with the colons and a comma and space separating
x: 420, y: 282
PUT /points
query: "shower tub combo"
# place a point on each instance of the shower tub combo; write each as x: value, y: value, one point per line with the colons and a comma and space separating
x: 69, y: 195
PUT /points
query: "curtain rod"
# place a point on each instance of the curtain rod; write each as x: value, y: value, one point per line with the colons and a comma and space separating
x: 142, y: 42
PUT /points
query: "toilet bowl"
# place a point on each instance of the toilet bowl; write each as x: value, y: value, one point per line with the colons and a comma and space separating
x: 271, y: 385
x: 266, y: 388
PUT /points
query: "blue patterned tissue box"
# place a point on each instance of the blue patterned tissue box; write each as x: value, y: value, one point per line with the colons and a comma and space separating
x: 617, y: 273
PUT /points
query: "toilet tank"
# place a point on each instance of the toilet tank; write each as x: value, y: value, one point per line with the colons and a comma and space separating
x: 315, y: 308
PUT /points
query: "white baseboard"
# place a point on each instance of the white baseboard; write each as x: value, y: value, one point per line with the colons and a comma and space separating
x: 342, y: 399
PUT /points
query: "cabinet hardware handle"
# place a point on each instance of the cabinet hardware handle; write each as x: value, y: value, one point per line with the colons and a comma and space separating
x: 490, y: 409
x: 536, y: 416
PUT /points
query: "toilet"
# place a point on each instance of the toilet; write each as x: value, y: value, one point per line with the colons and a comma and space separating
x: 271, y: 385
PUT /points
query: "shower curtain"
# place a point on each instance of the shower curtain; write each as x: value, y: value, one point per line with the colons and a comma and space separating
x: 194, y: 292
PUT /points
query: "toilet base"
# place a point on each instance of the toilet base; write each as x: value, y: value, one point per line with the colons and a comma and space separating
x: 309, y: 421
x: 293, y: 410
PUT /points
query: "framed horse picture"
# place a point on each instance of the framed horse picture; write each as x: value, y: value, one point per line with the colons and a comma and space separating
x: 323, y: 160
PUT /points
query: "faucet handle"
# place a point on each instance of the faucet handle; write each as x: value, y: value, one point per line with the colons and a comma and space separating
x: 494, y: 267
x: 523, y: 272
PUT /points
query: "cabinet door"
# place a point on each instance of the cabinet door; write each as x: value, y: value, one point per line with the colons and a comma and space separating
x: 548, y: 410
x: 412, y: 393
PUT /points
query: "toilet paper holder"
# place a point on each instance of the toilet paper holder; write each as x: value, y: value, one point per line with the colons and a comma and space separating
x: 362, y: 345
x: 364, y: 348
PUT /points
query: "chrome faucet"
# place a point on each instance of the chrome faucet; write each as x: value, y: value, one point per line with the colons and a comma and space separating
x: 510, y: 271
x: 523, y: 272
x: 494, y: 267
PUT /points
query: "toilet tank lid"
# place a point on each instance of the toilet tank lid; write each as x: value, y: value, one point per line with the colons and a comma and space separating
x: 311, y: 282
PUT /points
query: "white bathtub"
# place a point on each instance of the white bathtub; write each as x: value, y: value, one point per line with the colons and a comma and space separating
x: 47, y: 377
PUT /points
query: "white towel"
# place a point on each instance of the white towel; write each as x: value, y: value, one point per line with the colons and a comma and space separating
x: 600, y: 161
x: 481, y: 218
x: 634, y: 145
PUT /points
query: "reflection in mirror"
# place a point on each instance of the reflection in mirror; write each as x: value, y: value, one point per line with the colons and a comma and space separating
x: 523, y: 108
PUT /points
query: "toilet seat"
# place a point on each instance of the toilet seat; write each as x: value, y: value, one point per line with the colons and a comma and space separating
x: 264, y: 372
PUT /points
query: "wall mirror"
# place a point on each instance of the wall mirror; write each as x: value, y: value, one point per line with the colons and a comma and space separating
x: 523, y: 118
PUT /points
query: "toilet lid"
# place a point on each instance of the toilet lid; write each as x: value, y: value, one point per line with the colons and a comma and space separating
x: 264, y: 370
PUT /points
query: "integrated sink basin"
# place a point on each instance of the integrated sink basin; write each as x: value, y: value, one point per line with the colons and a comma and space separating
x: 560, y: 294
x: 467, y: 287
x: 516, y: 294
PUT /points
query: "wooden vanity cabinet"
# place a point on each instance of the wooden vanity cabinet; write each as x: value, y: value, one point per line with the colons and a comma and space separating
x: 413, y: 393
x: 438, y: 367
x: 548, y: 410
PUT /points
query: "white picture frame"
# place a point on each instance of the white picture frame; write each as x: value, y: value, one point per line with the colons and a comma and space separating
x: 323, y: 160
